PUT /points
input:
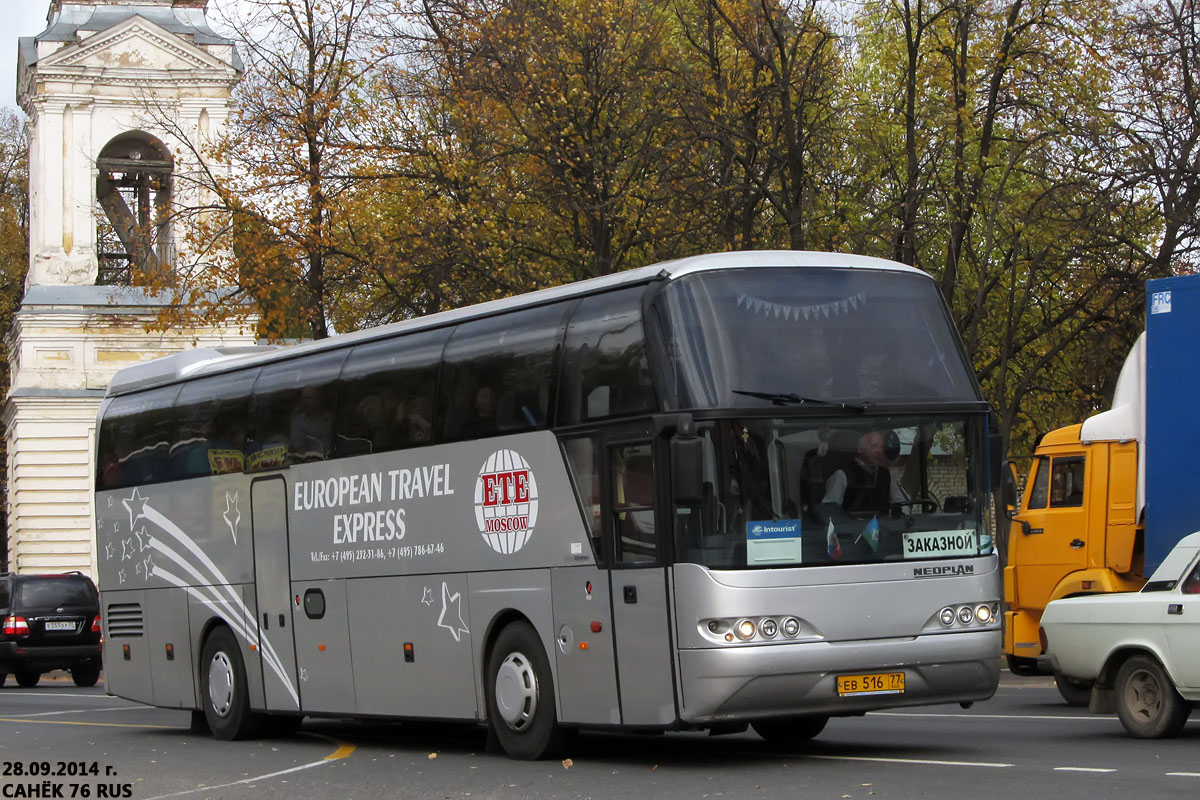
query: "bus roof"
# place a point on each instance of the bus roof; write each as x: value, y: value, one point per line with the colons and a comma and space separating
x: 204, y: 361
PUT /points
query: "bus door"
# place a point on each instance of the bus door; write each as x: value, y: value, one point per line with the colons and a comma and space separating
x: 272, y: 585
x: 638, y: 584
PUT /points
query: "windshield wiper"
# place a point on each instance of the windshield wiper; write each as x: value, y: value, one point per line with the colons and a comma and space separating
x: 793, y: 399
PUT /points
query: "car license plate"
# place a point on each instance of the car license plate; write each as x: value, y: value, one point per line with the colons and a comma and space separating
x: 875, y: 683
x: 60, y: 625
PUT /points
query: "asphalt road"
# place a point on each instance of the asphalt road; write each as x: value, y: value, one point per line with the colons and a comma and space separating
x: 1023, y: 743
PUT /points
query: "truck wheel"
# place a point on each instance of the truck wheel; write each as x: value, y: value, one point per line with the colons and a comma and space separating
x: 790, y: 731
x: 520, y: 696
x: 85, y: 674
x: 28, y: 678
x: 1147, y: 703
x: 3, y: 678
x: 223, y: 685
x: 1025, y: 667
x: 1075, y: 692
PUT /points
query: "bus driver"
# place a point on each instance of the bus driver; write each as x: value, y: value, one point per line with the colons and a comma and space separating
x: 865, y: 484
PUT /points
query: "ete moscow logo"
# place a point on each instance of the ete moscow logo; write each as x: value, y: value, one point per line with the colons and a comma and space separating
x: 506, y: 501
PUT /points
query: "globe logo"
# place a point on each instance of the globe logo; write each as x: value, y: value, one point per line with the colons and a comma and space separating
x: 506, y: 501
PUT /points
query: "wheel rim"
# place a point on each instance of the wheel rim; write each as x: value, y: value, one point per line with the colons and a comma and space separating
x: 1143, y: 696
x: 220, y: 684
x: 516, y: 691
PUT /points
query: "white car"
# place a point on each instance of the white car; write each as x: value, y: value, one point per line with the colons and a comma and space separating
x: 1141, y: 650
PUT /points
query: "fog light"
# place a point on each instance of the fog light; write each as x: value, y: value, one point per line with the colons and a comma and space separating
x: 791, y: 627
x: 745, y: 629
x: 983, y: 614
x: 946, y: 616
x: 965, y: 615
x: 768, y: 628
x: 714, y: 626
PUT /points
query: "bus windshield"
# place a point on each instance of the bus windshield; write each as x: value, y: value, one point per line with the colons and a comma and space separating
x: 762, y: 337
x: 808, y: 492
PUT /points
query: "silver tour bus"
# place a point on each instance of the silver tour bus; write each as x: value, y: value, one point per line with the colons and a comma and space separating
x: 729, y: 490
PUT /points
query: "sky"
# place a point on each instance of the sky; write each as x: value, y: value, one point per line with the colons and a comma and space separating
x: 17, y: 18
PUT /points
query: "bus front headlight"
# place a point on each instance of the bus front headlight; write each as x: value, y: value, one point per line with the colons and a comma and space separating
x: 745, y: 629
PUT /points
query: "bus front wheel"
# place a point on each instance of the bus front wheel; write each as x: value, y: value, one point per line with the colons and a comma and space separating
x: 520, y: 696
x: 223, y: 684
x: 790, y: 731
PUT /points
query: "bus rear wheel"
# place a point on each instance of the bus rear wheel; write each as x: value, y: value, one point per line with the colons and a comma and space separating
x: 223, y: 684
x: 790, y: 731
x: 520, y: 696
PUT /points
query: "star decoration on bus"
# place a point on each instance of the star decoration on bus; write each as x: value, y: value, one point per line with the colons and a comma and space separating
x: 108, y: 551
x: 136, y: 506
x: 304, y: 674
x: 455, y: 623
x: 233, y: 514
x: 144, y: 539
x: 127, y: 550
x: 427, y: 598
x: 148, y: 566
x: 121, y: 576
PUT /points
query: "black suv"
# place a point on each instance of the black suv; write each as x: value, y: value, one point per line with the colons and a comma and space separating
x: 50, y: 622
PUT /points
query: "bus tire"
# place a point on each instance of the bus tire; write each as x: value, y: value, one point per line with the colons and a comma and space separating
x: 790, y: 731
x: 520, y: 696
x: 1075, y: 692
x: 1147, y: 703
x: 223, y: 685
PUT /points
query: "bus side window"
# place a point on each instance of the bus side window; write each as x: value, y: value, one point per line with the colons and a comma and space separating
x: 135, y: 441
x: 499, y: 373
x: 633, y: 504
x: 583, y: 458
x: 210, y: 435
x: 1066, y: 482
x: 1041, y: 483
x: 292, y: 411
x: 385, y: 398
x: 604, y: 360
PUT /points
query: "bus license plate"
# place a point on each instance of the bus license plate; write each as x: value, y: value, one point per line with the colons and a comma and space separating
x: 875, y: 683
x: 64, y: 625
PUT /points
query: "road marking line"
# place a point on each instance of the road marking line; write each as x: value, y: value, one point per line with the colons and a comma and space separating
x: 75, y: 711
x: 341, y: 752
x: 1082, y: 769
x: 1184, y: 774
x: 93, y: 724
x: 918, y: 761
x: 27, y: 693
x: 1101, y: 717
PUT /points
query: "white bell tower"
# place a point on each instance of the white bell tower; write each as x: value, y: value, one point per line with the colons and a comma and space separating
x: 122, y: 96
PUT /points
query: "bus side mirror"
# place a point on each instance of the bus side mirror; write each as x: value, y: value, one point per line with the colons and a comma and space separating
x: 687, y: 470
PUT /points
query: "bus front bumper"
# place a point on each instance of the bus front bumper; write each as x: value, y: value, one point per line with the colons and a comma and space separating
x: 746, y: 683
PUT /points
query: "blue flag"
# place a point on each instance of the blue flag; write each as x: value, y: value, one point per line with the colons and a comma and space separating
x: 871, y: 534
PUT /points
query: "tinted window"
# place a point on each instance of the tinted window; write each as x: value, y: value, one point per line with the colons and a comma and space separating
x: 1066, y: 482
x: 211, y: 417
x: 498, y: 373
x: 292, y: 411
x: 50, y: 592
x: 753, y: 338
x: 3, y: 594
x: 604, y: 360
x: 583, y: 457
x: 1041, y: 484
x: 633, y: 504
x: 135, y: 439
x: 1191, y: 584
x: 387, y: 394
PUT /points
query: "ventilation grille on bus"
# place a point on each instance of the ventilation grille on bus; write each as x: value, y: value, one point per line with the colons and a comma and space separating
x: 124, y: 620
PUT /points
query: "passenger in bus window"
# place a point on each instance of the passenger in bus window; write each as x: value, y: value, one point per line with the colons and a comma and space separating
x: 483, y: 418
x: 226, y: 445
x: 414, y: 421
x: 864, y: 484
x: 312, y: 425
